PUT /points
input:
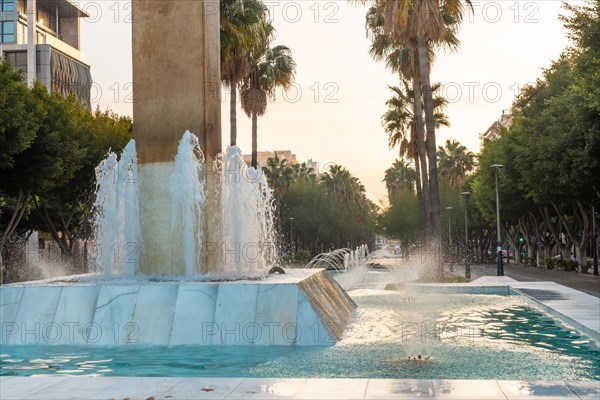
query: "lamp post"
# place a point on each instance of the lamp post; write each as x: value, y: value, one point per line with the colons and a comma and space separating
x: 594, y: 243
x: 467, y: 266
x: 500, y: 266
x: 292, y: 235
x: 450, y: 234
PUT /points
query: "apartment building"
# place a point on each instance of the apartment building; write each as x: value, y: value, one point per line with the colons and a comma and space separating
x: 49, y: 49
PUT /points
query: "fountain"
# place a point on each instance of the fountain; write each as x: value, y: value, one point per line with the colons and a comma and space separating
x: 185, y: 233
x: 340, y: 259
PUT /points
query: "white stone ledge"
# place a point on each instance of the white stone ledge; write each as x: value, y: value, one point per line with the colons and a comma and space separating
x: 70, y: 388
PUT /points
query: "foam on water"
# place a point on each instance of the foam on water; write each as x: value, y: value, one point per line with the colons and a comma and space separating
x: 243, y: 236
x: 248, y: 231
x: 187, y: 202
x: 116, y: 220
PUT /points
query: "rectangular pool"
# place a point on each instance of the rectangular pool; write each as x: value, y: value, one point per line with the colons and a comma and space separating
x: 459, y: 336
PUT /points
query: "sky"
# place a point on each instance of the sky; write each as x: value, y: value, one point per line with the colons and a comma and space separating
x: 333, y: 112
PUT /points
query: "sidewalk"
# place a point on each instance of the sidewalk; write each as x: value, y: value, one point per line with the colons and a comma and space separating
x: 589, y: 284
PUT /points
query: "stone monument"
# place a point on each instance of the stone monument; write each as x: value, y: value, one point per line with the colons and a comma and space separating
x: 176, y: 75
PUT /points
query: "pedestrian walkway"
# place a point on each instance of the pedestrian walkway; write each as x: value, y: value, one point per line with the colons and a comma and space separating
x: 589, y: 284
x: 90, y: 388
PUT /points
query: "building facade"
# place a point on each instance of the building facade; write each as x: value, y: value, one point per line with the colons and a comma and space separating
x: 504, y: 122
x: 263, y: 156
x: 49, y: 49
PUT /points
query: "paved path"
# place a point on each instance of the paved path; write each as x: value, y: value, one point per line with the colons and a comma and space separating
x: 88, y: 388
x: 586, y: 283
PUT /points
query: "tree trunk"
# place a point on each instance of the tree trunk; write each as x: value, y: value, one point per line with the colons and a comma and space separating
x: 254, y: 140
x: 582, y: 216
x: 434, y: 190
x: 561, y: 247
x: 15, y: 219
x: 233, y: 112
x: 530, y: 238
x: 425, y: 222
x: 512, y: 233
x: 422, y: 214
x: 42, y: 211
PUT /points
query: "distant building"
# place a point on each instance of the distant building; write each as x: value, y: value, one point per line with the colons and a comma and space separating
x: 314, y: 165
x: 263, y: 156
x: 49, y: 49
x: 505, y: 121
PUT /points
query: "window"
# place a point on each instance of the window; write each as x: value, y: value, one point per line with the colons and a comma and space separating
x: 7, y: 32
x: 18, y: 60
x: 22, y: 33
x: 7, y: 5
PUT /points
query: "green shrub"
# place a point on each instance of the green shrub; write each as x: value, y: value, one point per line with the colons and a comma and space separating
x: 585, y: 267
x: 569, y: 265
x: 550, y: 263
x: 530, y: 262
x: 302, y: 255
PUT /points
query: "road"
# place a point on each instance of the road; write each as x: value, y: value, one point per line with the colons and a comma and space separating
x: 586, y: 283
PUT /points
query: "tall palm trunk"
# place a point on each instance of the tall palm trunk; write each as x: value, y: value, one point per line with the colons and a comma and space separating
x: 434, y: 190
x: 233, y: 112
x: 254, y: 140
x: 418, y: 179
x: 422, y: 171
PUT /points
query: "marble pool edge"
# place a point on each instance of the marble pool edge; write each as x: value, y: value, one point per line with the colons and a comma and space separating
x: 71, y: 388
x: 574, y: 308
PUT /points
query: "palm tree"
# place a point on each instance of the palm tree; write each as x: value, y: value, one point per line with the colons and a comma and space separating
x: 400, y: 123
x: 399, y: 177
x: 420, y: 25
x: 347, y: 191
x: 240, y: 21
x: 303, y: 173
x: 339, y: 183
x: 455, y: 162
x: 279, y: 175
x: 269, y: 68
x: 400, y: 58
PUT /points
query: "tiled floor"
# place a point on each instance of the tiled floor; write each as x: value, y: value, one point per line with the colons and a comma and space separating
x: 56, y: 387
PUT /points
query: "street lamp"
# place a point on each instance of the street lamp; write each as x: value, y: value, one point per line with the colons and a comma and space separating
x: 450, y: 234
x: 467, y: 266
x: 449, y: 225
x: 500, y: 266
x: 594, y: 242
x: 292, y: 234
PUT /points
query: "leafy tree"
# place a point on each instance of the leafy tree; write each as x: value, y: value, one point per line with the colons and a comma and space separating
x: 400, y: 220
x: 330, y: 212
x: 17, y: 116
x: 551, y: 152
x: 18, y: 128
x: 47, y: 176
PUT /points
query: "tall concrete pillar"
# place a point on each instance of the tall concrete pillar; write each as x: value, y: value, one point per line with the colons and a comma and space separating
x: 31, y: 41
x: 176, y: 83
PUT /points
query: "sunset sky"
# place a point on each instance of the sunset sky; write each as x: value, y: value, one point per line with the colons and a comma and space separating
x: 332, y: 115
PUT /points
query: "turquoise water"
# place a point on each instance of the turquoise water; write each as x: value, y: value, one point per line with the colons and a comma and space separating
x: 465, y: 336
